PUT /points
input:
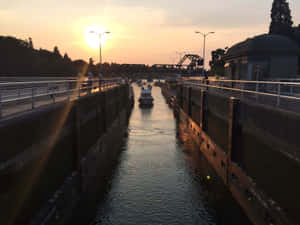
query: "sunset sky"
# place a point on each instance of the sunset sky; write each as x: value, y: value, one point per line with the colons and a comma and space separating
x: 141, y: 31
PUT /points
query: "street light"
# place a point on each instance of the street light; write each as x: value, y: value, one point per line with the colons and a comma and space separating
x: 204, y: 37
x: 100, y: 43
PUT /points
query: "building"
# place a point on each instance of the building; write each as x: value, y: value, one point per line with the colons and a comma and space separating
x: 264, y: 57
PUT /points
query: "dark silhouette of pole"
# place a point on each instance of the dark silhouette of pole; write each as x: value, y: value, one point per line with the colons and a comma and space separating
x: 100, y: 46
x: 204, y: 42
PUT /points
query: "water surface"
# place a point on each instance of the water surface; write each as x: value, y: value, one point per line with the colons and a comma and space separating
x: 161, y: 180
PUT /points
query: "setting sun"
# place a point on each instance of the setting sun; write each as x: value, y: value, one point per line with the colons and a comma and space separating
x: 92, y: 36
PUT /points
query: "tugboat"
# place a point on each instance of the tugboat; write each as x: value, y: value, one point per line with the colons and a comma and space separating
x: 146, y: 99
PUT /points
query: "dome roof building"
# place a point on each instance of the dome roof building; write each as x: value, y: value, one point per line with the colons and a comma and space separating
x: 264, y: 57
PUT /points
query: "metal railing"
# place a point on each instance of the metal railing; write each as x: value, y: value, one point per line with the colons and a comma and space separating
x: 16, y: 97
x: 49, y: 77
x: 285, y: 95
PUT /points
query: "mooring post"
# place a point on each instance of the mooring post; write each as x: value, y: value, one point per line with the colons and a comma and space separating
x: 233, y: 129
x: 202, y: 108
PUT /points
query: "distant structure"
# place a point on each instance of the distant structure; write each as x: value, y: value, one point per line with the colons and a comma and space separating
x: 194, y: 66
x: 264, y: 57
x: 273, y: 56
x: 195, y: 61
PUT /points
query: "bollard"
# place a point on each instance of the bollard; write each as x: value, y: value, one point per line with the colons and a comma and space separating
x: 202, y: 109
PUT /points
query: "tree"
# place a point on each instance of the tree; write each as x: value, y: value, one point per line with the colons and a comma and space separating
x: 67, y: 58
x: 217, y: 62
x: 19, y: 58
x: 92, y: 68
x: 56, y: 51
x: 281, y: 19
x: 30, y: 43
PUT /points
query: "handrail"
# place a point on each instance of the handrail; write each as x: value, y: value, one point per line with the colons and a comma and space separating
x: 55, y: 82
x: 248, y: 81
x: 288, y: 100
x: 242, y: 90
x: 46, y: 90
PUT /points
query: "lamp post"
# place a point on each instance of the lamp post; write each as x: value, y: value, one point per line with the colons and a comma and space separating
x: 100, y: 44
x: 204, y: 39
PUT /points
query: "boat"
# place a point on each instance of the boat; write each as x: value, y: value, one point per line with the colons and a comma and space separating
x: 150, y: 80
x: 139, y: 83
x: 157, y: 83
x: 146, y: 99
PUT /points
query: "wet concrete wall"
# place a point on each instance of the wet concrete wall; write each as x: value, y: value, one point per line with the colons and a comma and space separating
x: 43, y: 162
x: 255, y: 149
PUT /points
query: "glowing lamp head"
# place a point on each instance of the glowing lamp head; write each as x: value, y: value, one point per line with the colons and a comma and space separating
x: 93, y: 35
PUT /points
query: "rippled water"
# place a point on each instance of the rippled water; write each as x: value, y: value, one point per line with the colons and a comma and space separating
x: 160, y: 180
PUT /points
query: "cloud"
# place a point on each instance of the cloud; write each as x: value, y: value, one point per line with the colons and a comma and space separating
x: 213, y: 13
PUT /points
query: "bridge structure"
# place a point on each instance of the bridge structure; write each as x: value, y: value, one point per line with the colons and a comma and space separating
x: 195, y: 64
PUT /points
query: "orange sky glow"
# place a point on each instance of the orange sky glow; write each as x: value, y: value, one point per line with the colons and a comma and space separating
x: 146, y: 32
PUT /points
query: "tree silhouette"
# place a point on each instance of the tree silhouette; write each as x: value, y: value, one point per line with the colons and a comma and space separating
x: 217, y: 62
x: 30, y: 43
x: 67, y: 58
x: 281, y: 19
x: 56, y: 51
x: 92, y: 68
x: 19, y: 58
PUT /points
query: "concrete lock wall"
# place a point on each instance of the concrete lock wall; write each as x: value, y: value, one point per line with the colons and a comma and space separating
x: 270, y: 152
x: 216, y: 112
x: 42, y: 148
x: 261, y: 142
